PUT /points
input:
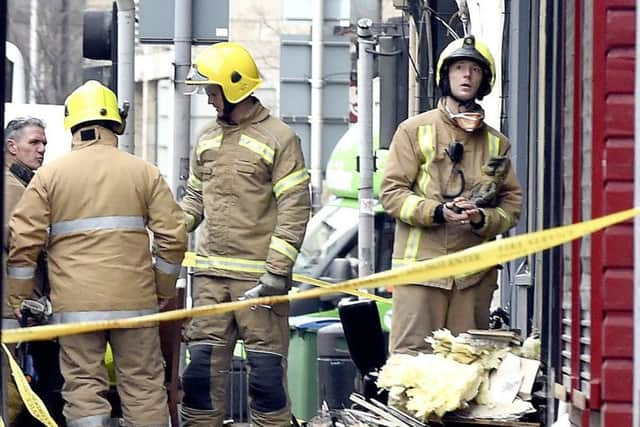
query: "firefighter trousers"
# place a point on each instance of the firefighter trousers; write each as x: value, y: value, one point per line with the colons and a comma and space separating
x: 139, y: 371
x: 418, y: 310
x: 211, y: 342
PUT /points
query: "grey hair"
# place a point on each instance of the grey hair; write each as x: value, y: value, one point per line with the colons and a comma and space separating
x: 16, y: 125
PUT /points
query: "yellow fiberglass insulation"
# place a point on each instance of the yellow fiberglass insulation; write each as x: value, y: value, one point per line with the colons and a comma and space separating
x: 427, y: 384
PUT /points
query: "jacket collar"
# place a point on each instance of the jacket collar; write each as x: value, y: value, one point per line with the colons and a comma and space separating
x: 445, y: 115
x: 257, y: 113
x: 21, y: 171
x: 91, y: 135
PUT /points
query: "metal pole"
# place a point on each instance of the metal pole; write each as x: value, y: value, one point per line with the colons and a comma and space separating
x: 126, y: 79
x: 181, y: 102
x: 387, y: 66
x: 636, y: 238
x: 413, y: 76
x: 34, y: 51
x: 317, y: 84
x: 365, y: 111
x: 3, y: 376
x: 515, y: 294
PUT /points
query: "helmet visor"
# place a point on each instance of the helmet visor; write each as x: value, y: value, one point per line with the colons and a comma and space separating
x: 197, y: 81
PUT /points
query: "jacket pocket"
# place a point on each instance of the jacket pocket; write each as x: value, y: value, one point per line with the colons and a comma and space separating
x: 245, y: 167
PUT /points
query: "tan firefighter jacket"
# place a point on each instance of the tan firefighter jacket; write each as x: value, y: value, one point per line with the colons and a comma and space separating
x: 95, y: 206
x: 14, y: 187
x: 249, y: 188
x: 419, y: 176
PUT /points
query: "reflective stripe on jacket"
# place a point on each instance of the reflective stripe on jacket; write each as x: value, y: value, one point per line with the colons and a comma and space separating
x: 249, y: 187
x: 95, y: 209
x: 419, y: 176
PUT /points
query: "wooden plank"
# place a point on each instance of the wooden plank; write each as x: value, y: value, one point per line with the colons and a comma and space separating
x: 617, y: 414
x: 620, y: 67
x: 618, y: 159
x: 618, y: 115
x: 631, y: 4
x: 617, y: 380
x: 621, y: 26
x: 579, y: 399
x: 617, y: 292
x: 617, y: 336
x: 560, y: 392
x: 618, y: 239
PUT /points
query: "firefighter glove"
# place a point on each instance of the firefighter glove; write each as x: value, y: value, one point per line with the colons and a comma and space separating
x: 269, y: 284
x: 189, y: 222
x: 496, y: 166
x: 484, y: 194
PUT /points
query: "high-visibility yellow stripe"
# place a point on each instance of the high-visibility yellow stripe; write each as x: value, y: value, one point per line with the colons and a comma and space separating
x: 167, y: 267
x: 413, y: 241
x: 98, y: 316
x: 261, y: 149
x: 21, y: 273
x: 494, y: 144
x: 408, y: 208
x: 284, y: 247
x: 82, y: 225
x: 426, y: 140
x: 207, y: 144
x: 401, y: 262
x: 223, y: 263
x: 194, y: 182
x: 290, y: 181
x: 506, y: 221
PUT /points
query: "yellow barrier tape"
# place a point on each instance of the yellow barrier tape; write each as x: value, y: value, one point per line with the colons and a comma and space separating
x: 472, y: 259
x: 34, y: 404
x: 322, y: 284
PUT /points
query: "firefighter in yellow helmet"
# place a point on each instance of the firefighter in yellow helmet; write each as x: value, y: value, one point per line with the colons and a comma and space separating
x: 248, y: 192
x: 95, y: 209
x: 450, y: 185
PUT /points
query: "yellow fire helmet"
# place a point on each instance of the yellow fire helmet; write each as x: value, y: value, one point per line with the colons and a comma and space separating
x: 466, y: 48
x: 229, y: 65
x: 91, y: 102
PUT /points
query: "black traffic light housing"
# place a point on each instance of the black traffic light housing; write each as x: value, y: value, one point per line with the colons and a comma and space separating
x: 100, y: 42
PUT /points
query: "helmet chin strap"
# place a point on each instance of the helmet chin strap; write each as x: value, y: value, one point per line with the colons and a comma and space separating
x: 227, y: 110
x: 469, y: 104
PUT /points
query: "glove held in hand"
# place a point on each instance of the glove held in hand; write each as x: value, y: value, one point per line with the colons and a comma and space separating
x: 269, y: 284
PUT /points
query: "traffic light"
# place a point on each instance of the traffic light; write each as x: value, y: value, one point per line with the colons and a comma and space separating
x: 100, y: 42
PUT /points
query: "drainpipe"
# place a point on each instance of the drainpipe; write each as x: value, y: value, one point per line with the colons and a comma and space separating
x: 34, y: 46
x: 413, y: 76
x: 316, y: 104
x: 181, y: 103
x: 126, y: 80
x: 18, y: 86
x: 366, y: 252
x: 636, y: 236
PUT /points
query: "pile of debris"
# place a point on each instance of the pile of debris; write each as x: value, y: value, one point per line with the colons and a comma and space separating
x: 478, y: 374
